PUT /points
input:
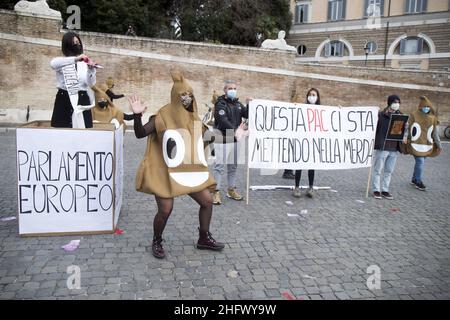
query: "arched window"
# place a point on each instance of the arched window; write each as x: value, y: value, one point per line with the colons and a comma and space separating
x: 412, y: 46
x: 334, y: 49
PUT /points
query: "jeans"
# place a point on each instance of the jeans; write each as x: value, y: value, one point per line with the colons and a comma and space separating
x: 418, y: 169
x: 226, y: 154
x: 387, y: 160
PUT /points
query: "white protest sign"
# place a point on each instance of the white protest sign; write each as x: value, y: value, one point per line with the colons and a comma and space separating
x: 302, y: 136
x: 68, y: 180
x: 119, y: 170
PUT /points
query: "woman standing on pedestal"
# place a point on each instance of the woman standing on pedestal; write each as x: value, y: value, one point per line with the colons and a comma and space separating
x: 75, y: 75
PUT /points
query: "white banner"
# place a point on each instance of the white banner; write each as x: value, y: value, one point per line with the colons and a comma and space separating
x: 68, y: 180
x: 302, y: 136
x: 119, y: 174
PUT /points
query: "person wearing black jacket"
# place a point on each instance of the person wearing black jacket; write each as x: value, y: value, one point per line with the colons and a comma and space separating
x: 385, y: 154
x: 228, y: 114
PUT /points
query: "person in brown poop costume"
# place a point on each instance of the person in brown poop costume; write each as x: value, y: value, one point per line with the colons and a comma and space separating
x: 174, y: 162
x: 423, y: 139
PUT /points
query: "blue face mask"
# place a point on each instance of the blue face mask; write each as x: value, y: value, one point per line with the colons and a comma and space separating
x: 232, y: 94
x: 426, y: 109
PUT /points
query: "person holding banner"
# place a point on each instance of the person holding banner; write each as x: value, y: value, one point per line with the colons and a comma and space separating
x: 423, y: 139
x: 75, y: 75
x: 386, y: 149
x: 174, y: 163
x: 228, y: 114
x: 312, y: 97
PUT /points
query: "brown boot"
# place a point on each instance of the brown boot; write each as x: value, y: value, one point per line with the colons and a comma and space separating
x: 157, y: 249
x: 233, y: 194
x: 216, y: 198
x: 206, y: 241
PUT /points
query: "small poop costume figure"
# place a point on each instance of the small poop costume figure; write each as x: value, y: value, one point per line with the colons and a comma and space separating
x: 105, y: 111
x: 174, y: 163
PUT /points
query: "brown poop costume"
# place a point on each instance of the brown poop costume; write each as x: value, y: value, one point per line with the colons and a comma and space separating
x: 109, y: 112
x: 421, y: 127
x: 170, y: 174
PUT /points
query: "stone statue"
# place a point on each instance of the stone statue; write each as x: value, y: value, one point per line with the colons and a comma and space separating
x: 279, y: 43
x: 39, y: 7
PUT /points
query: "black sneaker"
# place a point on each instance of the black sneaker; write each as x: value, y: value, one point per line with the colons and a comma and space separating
x: 420, y: 186
x: 387, y: 195
x: 377, y: 195
x: 413, y: 182
x: 288, y: 174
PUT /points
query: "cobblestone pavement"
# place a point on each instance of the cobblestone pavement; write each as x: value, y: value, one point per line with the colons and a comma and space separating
x: 323, y: 254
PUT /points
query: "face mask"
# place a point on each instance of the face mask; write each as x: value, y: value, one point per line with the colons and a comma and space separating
x: 426, y: 109
x: 395, y: 106
x: 312, y: 99
x: 232, y: 93
x: 102, y: 104
x: 77, y: 49
x: 186, y: 101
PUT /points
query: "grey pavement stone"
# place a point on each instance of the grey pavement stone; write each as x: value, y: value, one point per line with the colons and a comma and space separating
x: 323, y: 255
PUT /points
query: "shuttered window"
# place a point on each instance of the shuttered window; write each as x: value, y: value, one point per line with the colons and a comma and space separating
x: 373, y: 8
x: 301, y: 13
x: 334, y: 49
x: 411, y: 45
x: 416, y: 6
x: 336, y: 10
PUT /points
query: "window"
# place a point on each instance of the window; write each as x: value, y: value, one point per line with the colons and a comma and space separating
x: 336, y: 10
x: 374, y: 8
x: 411, y: 45
x: 416, y: 6
x: 372, y: 45
x: 301, y: 50
x: 334, y: 49
x: 301, y: 13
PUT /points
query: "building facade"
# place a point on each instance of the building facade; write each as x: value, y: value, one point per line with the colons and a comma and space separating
x: 407, y: 34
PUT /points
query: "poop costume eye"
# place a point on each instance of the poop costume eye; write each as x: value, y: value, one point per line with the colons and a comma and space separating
x: 415, y: 131
x: 429, y: 133
x: 173, y: 143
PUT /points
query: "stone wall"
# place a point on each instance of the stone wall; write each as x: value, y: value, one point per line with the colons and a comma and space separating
x: 141, y: 65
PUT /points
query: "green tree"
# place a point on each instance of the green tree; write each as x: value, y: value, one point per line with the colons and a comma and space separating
x: 231, y: 21
x: 221, y: 21
x: 114, y: 16
x: 8, y: 4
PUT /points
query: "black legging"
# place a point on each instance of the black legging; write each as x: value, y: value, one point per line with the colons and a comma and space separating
x: 165, y: 206
x: 298, y: 175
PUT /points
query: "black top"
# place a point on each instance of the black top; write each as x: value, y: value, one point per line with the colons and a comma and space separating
x: 228, y: 114
x: 113, y: 96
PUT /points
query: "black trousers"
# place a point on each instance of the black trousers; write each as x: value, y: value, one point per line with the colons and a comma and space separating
x: 62, y: 110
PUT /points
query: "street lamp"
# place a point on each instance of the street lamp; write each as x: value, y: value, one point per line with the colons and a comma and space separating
x: 366, y: 52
